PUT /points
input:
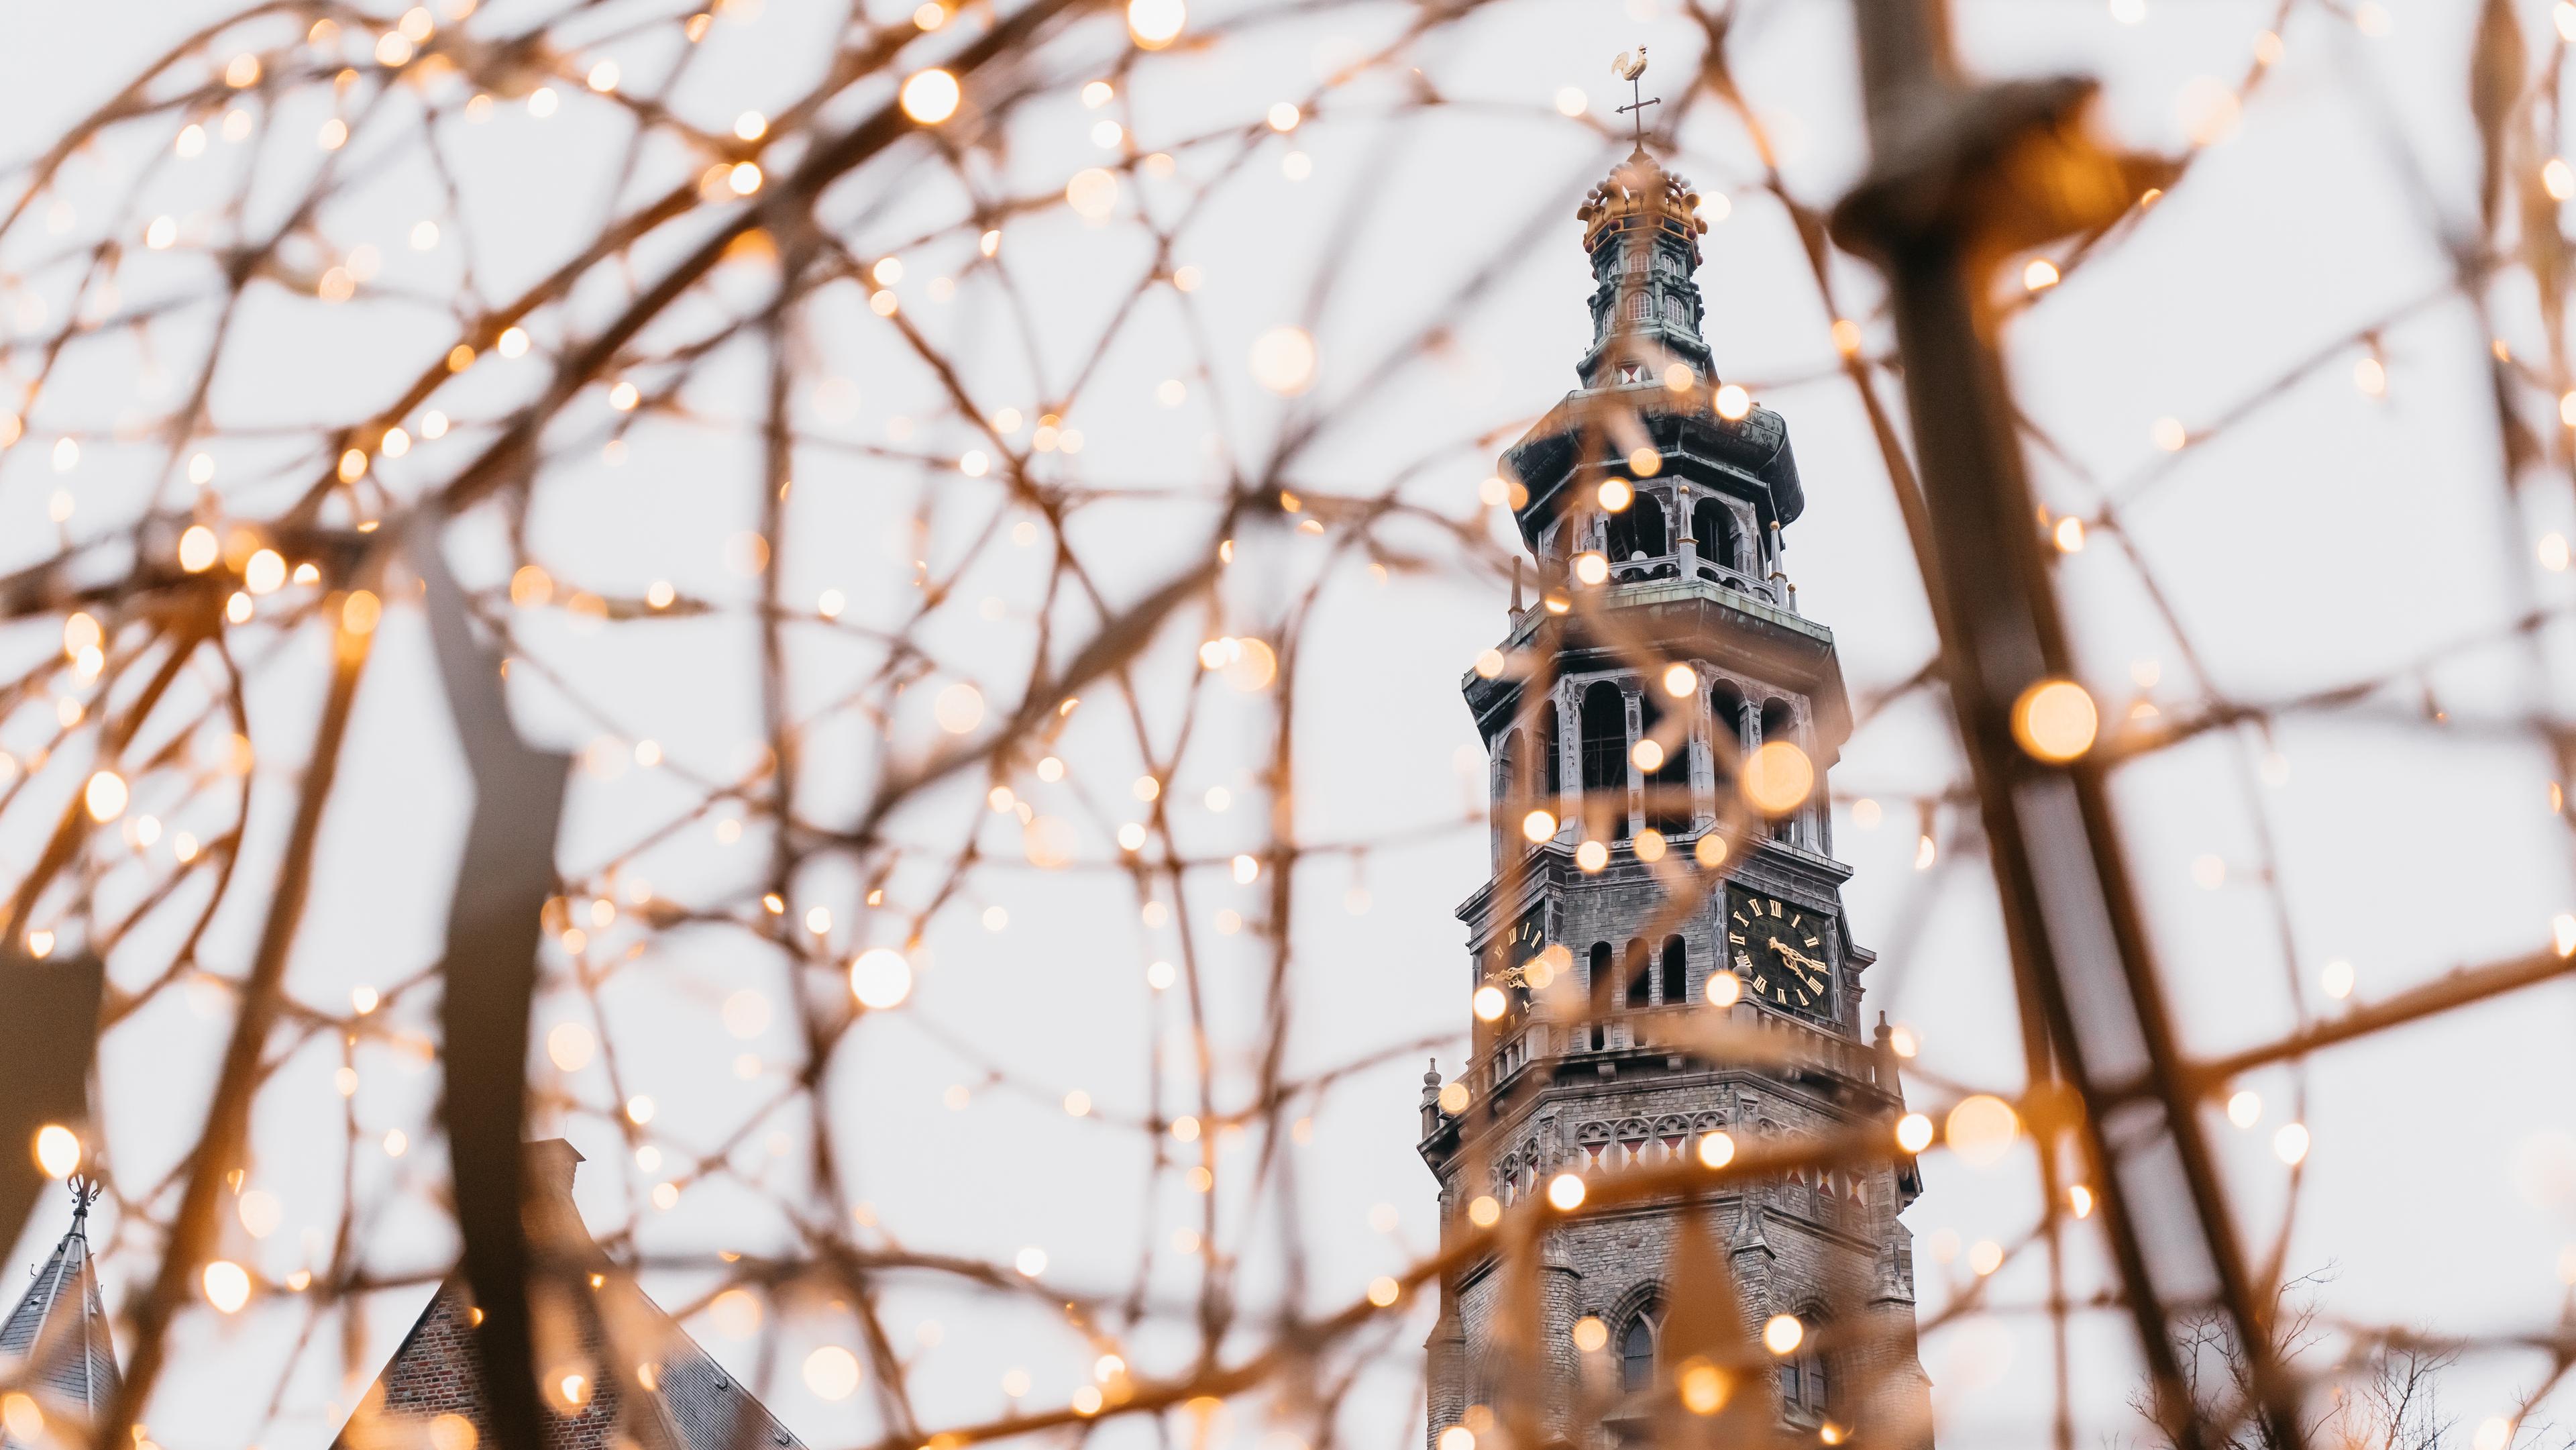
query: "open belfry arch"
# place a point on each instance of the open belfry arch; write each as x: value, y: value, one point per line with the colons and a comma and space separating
x: 1664, y: 973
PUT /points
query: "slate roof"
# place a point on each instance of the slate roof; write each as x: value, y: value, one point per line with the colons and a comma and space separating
x: 656, y: 1388
x: 55, y: 1343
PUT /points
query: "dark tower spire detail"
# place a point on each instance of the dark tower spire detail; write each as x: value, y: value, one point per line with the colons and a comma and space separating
x: 1642, y: 228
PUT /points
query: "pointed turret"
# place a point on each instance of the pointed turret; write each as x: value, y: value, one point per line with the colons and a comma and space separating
x: 55, y: 1343
x: 1642, y: 227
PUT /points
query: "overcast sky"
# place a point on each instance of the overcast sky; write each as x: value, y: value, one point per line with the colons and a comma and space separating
x: 2337, y: 534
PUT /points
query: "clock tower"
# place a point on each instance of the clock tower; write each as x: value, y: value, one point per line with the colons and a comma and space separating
x: 1661, y: 956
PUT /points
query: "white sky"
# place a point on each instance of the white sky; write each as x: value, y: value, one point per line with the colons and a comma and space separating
x: 2331, y: 537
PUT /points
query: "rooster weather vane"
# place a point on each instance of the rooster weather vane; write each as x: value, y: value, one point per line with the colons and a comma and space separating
x: 1628, y: 66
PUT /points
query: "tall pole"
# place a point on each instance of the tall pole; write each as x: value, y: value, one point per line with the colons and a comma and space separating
x: 1961, y: 177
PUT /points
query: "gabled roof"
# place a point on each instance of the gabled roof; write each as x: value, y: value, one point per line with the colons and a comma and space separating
x: 645, y: 1382
x: 55, y: 1343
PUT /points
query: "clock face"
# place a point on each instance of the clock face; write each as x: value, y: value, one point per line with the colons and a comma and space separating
x: 1780, y: 954
x: 1506, y: 954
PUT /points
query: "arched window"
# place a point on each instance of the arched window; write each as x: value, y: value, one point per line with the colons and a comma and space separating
x: 1668, y: 792
x: 1713, y: 527
x: 1604, y: 989
x: 1676, y: 972
x: 1727, y: 715
x: 1805, y: 1383
x: 1637, y: 1355
x: 1546, y: 766
x: 1639, y: 980
x: 1605, y: 749
x: 1639, y: 529
x: 1779, y: 721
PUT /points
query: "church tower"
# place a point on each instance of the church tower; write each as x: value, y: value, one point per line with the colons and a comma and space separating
x: 1661, y: 954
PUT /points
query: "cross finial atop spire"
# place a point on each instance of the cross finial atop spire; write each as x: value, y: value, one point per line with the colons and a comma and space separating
x: 1628, y: 66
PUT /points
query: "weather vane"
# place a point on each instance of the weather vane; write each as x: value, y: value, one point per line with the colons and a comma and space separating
x: 1628, y: 67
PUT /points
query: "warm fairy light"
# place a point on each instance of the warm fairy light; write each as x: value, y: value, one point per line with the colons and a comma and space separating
x: 1902, y: 1041
x: 1092, y: 193
x: 959, y: 708
x: 571, y: 1046
x: 67, y: 453
x: 1485, y: 1211
x: 1096, y: 94
x: 1570, y: 101
x: 1925, y: 851
x: 2079, y: 1199
x: 1490, y: 664
x: 1030, y: 1261
x: 1723, y: 988
x: 930, y: 96
x: 363, y: 1000
x: 1490, y: 1003
x: 1645, y: 462
x: 1649, y: 845
x: 227, y: 1286
x: 542, y: 102
x: 880, y: 978
x: 1709, y: 850
x: 2371, y: 376
x: 2290, y: 1144
x: 1457, y: 1437
x: 1733, y: 402
x: 1984, y: 1257
x: 2493, y: 1433
x: 1981, y: 1129
x: 40, y: 943
x: 1454, y: 1098
x: 2039, y: 276
x: 360, y: 612
x: 2055, y: 721
x: 2245, y: 1109
x: 1680, y: 681
x: 2562, y: 933
x: 1678, y: 378
x: 264, y: 572
x: 1247, y: 869
x: 1716, y: 1150
x: 2336, y: 978
x: 1154, y: 24
x: 22, y: 1417
x: 1648, y: 755
x: 1782, y: 1334
x: 832, y: 1373
x: 1284, y: 116
x: 1283, y: 360
x: 1590, y: 1334
x: 199, y: 549
x: 1384, y: 1291
x: 57, y: 1150
x: 1590, y: 567
x: 1591, y: 856
x: 1565, y: 1192
x: 1703, y: 1388
x: 2169, y: 434
x: 1914, y: 1132
x: 1538, y: 826
x: 104, y: 796
x: 2068, y: 535
x: 1615, y: 495
x: 1777, y: 778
